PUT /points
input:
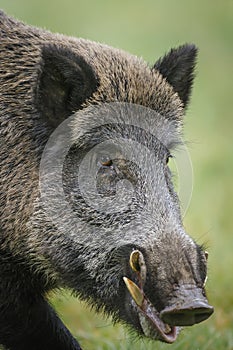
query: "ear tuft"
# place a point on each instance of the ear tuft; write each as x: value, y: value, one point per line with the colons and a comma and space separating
x: 66, y: 81
x: 178, y: 69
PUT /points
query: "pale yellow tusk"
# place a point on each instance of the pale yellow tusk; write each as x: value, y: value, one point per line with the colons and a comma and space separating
x: 137, y: 264
x: 205, y: 281
x: 134, y: 260
x: 135, y: 292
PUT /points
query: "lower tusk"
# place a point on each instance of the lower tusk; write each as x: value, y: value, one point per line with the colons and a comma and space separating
x: 135, y: 292
x: 205, y: 281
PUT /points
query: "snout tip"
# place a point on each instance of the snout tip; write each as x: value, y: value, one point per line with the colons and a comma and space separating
x: 188, y: 314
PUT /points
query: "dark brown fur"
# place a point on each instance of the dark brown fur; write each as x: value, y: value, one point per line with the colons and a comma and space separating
x: 45, y: 78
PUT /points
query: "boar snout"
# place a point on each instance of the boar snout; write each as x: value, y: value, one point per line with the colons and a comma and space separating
x: 190, y: 307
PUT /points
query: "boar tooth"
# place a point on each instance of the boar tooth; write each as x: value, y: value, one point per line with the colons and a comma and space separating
x: 167, y: 329
x: 134, y: 291
x: 205, y: 281
x: 134, y: 261
x: 137, y: 264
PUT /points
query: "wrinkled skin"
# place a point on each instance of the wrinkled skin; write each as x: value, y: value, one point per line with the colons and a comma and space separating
x: 120, y: 244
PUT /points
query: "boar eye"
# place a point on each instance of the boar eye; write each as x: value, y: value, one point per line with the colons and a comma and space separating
x: 206, y: 254
x: 106, y: 161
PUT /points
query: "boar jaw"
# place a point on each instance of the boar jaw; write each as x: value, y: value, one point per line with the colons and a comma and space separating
x: 150, y: 321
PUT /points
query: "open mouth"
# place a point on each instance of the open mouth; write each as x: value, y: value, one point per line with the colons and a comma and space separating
x: 150, y: 321
x: 152, y: 325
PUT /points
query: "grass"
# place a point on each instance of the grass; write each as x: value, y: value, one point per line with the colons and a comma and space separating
x: 98, y: 333
x: 149, y: 28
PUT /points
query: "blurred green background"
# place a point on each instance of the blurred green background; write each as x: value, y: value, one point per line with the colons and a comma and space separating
x: 149, y: 28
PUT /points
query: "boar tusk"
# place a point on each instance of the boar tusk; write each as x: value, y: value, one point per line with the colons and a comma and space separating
x: 134, y: 261
x: 134, y: 291
x: 137, y: 264
x: 205, y: 281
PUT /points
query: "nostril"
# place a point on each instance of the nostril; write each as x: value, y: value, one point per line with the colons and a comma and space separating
x: 187, y: 316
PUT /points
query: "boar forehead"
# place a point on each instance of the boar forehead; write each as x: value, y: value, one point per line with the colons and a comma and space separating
x: 127, y: 78
x: 167, y: 131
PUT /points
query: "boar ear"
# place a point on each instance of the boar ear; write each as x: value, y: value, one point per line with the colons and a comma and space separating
x: 178, y: 69
x: 65, y: 82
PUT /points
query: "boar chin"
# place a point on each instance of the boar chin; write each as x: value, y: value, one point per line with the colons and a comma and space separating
x: 151, y: 324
